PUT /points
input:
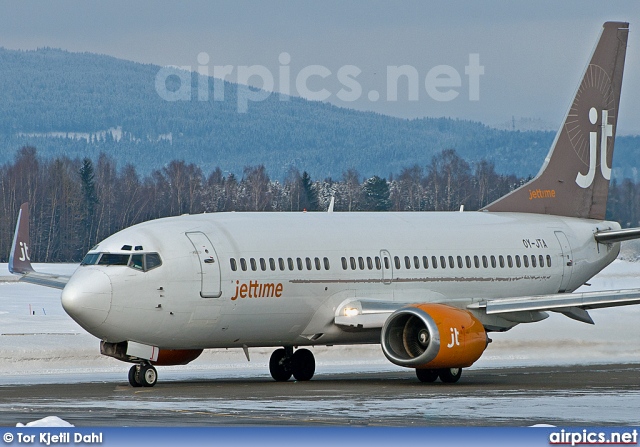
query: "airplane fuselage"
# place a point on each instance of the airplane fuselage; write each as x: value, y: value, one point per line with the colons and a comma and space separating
x: 275, y: 279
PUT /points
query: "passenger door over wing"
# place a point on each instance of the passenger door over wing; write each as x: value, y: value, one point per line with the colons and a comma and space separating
x: 387, y: 267
x: 209, y: 265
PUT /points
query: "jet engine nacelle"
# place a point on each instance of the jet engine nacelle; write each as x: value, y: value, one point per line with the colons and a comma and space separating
x: 433, y: 336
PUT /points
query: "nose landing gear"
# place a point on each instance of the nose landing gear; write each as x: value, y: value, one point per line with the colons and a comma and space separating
x: 143, y: 374
x: 284, y: 363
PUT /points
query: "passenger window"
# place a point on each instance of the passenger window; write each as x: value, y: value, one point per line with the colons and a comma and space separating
x: 407, y: 262
x: 416, y: 262
x: 352, y: 261
x: 378, y: 265
x: 152, y: 260
x: 326, y: 263
x: 451, y: 263
x: 344, y: 263
x: 518, y: 261
x: 396, y: 261
x: 510, y: 261
x: 460, y: 262
x: 541, y: 260
x: 290, y: 263
x: 468, y: 261
x: 254, y: 266
x: 485, y: 262
x: 525, y: 258
x: 434, y: 262
x: 533, y: 260
x: 548, y: 261
x: 501, y: 260
x: 308, y: 262
x: 493, y: 261
x: 443, y: 262
x: 281, y: 263
x: 137, y: 262
x: 425, y: 262
x: 361, y: 262
x: 299, y: 262
x: 263, y: 264
x: 234, y: 265
x: 386, y: 263
x: 272, y: 264
x: 369, y: 263
x: 476, y: 262
x: 317, y: 262
x: 243, y: 264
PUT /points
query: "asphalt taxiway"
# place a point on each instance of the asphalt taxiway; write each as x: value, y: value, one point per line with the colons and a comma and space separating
x: 562, y: 395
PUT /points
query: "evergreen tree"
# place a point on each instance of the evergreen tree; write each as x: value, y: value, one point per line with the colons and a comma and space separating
x: 376, y: 194
x: 309, y: 192
x: 87, y: 181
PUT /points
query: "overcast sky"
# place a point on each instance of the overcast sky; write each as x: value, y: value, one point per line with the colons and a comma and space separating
x: 533, y: 53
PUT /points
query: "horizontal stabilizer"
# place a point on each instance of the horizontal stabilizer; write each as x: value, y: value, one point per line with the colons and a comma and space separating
x: 611, y: 236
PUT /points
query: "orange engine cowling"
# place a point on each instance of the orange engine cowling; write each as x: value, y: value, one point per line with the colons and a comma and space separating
x: 433, y: 336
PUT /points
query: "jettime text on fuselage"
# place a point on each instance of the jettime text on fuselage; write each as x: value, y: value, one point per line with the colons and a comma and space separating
x: 256, y: 289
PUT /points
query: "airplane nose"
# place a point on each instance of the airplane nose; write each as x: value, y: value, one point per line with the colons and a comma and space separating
x: 87, y: 297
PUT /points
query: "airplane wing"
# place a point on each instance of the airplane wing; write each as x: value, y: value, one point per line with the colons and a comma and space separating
x: 20, y: 259
x: 573, y: 305
x: 372, y: 314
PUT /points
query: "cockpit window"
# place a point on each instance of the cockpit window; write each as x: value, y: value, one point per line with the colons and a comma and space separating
x: 137, y: 262
x: 90, y: 259
x: 152, y: 261
x: 113, y: 259
x: 140, y: 261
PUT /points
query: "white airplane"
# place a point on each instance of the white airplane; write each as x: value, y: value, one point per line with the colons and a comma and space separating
x: 427, y: 286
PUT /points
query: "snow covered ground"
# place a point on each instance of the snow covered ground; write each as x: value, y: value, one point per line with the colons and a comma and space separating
x: 39, y: 343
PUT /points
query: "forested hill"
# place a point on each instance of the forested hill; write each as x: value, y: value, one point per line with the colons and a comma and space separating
x: 49, y: 97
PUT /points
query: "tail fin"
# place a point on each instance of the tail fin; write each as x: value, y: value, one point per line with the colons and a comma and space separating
x: 574, y: 180
x: 19, y: 258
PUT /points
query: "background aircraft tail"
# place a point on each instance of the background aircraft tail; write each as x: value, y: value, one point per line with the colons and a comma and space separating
x: 574, y: 180
x: 19, y: 258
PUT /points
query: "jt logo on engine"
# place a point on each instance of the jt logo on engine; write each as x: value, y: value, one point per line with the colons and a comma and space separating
x: 454, y: 338
x: 585, y: 181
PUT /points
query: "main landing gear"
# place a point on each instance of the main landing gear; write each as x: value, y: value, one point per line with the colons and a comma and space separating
x: 143, y: 374
x: 284, y: 363
x: 447, y: 375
